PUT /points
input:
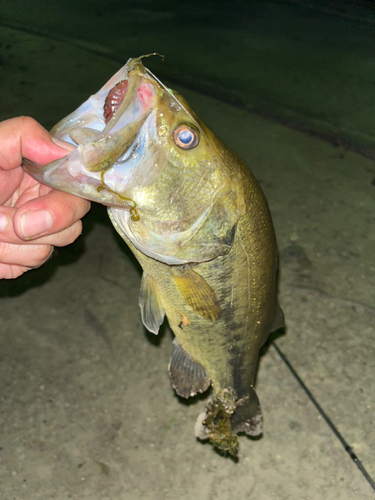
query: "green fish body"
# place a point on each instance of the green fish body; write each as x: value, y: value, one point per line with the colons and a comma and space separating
x: 198, y: 223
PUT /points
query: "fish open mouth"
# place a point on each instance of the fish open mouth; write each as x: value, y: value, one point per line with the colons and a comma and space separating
x: 104, y: 130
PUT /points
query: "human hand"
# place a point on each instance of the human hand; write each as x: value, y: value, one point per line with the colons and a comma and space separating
x: 33, y: 217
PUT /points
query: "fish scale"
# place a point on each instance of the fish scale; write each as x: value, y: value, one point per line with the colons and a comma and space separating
x: 197, y: 221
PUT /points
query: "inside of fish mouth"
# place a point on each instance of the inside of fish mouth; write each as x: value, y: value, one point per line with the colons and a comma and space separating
x: 114, y: 99
x: 134, y: 81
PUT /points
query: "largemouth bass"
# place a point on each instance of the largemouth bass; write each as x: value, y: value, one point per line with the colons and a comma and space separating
x: 197, y: 221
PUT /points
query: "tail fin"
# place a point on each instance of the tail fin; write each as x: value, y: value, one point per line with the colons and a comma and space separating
x: 226, y: 416
x: 248, y: 415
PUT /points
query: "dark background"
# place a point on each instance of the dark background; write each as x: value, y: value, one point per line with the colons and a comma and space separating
x: 309, y: 64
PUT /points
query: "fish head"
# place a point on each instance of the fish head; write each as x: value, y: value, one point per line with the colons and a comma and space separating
x: 141, y: 150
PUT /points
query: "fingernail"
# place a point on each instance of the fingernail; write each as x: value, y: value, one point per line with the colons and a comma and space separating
x: 34, y: 223
x: 3, y: 222
x: 63, y: 144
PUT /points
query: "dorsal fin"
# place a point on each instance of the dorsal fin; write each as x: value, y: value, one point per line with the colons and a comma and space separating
x: 197, y: 293
x: 152, y: 310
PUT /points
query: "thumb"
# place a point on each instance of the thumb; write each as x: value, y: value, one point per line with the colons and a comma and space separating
x: 25, y: 137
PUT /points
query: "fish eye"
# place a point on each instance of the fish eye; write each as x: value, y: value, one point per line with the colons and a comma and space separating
x: 186, y: 137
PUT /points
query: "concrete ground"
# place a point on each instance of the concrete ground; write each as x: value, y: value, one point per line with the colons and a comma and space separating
x: 87, y: 410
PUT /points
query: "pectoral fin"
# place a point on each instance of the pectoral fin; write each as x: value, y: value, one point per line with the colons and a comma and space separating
x: 188, y: 377
x: 198, y: 294
x: 152, y: 310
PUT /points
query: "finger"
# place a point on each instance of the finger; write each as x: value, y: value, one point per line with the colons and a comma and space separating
x: 24, y: 137
x: 11, y: 271
x: 59, y: 239
x: 62, y: 238
x: 30, y: 256
x: 9, y: 182
x: 49, y: 214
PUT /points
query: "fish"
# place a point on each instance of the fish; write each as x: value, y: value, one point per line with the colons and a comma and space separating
x: 196, y: 219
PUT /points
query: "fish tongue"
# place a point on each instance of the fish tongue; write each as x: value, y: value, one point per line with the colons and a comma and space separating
x: 100, y: 155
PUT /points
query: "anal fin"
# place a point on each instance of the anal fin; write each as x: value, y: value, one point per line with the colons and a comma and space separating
x: 152, y: 310
x: 197, y: 293
x: 188, y: 377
